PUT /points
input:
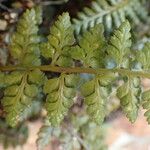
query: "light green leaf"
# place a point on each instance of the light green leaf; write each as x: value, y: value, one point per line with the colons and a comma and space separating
x: 51, y: 85
x: 90, y: 50
x: 96, y: 95
x: 119, y: 46
x: 77, y: 53
x: 61, y: 92
x: 61, y: 38
x: 25, y: 42
x: 19, y: 95
x: 37, y: 77
x: 129, y: 95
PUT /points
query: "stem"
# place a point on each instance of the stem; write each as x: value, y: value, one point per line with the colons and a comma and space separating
x: 58, y: 2
x: 126, y: 72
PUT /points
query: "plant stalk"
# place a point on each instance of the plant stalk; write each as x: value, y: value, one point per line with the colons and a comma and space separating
x: 125, y: 72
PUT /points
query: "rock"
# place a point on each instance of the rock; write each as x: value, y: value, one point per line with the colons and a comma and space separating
x: 3, y: 25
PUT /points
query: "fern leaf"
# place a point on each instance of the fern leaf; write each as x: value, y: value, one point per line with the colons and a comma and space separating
x: 119, y: 46
x: 19, y: 94
x: 25, y: 42
x: 143, y: 56
x: 110, y: 12
x: 61, y: 92
x: 61, y: 38
x: 90, y: 51
x: 129, y: 95
x: 146, y: 104
x: 96, y: 93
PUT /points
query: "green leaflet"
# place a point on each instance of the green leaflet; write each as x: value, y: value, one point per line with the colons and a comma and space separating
x: 119, y: 46
x: 143, y: 56
x: 90, y: 50
x: 146, y: 104
x: 25, y: 42
x: 96, y: 92
x: 60, y: 40
x: 129, y: 95
x: 21, y: 90
x: 61, y: 92
x: 111, y: 13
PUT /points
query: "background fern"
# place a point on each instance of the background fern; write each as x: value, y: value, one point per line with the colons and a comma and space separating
x: 76, y: 136
x: 44, y: 136
x: 111, y: 13
x: 12, y: 136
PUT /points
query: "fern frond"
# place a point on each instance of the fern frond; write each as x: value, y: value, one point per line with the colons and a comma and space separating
x: 90, y: 50
x: 12, y: 136
x: 61, y: 92
x: 44, y: 136
x: 25, y: 42
x: 119, y: 52
x: 146, y: 104
x: 96, y: 93
x: 129, y: 95
x: 111, y: 13
x: 23, y: 83
x: 97, y: 141
x: 61, y: 38
x: 22, y: 88
x: 119, y: 46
